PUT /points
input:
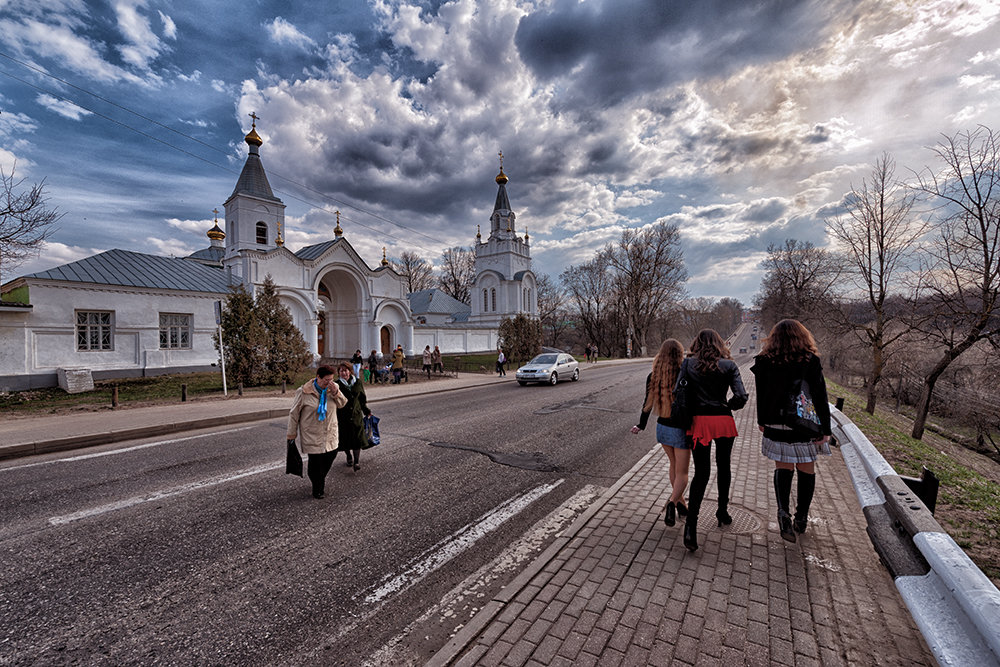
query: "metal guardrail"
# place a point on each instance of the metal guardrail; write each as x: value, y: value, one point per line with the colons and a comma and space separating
x: 955, y: 605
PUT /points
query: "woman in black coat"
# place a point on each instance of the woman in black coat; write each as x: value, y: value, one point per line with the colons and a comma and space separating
x: 788, y: 356
x: 350, y: 418
x: 711, y: 374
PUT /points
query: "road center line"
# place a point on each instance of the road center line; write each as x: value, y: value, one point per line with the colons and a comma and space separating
x: 123, y: 450
x: 456, y: 543
x: 159, y: 495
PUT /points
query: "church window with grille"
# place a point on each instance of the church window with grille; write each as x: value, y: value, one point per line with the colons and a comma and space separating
x: 493, y: 299
x: 94, y: 329
x: 175, y: 331
x: 486, y: 302
x: 262, y: 233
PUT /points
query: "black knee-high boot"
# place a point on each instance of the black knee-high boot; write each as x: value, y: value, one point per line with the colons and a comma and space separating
x: 357, y: 459
x: 782, y: 493
x: 807, y: 486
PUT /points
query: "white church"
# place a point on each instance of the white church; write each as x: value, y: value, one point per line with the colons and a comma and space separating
x: 127, y: 314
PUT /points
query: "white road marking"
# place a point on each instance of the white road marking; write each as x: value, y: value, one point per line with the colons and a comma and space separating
x: 456, y: 543
x: 159, y: 495
x: 462, y: 602
x: 123, y: 450
x: 438, y: 555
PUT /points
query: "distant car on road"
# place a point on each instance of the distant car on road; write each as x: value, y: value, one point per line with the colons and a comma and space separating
x: 549, y: 367
x: 743, y: 350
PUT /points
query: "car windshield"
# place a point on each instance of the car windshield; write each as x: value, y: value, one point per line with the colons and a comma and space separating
x: 544, y: 359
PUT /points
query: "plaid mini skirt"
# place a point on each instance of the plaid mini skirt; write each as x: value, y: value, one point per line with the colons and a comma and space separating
x: 793, y: 452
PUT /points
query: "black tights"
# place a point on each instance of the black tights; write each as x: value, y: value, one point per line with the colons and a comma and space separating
x: 702, y: 456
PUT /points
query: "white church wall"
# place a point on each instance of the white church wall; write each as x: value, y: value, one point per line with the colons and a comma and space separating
x: 49, y: 333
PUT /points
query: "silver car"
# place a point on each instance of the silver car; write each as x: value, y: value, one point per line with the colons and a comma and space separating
x: 549, y: 367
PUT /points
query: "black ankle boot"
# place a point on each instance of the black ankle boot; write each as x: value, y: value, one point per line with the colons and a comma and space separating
x: 807, y: 486
x: 722, y: 514
x: 691, y: 532
x: 782, y: 493
x: 670, y: 517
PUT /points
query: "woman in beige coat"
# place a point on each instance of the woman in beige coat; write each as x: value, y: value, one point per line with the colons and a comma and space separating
x: 313, y: 418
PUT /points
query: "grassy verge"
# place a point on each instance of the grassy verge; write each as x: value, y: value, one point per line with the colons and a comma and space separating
x: 969, y: 497
x: 160, y: 389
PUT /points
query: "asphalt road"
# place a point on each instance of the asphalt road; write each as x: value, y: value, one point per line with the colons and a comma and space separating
x: 198, y: 550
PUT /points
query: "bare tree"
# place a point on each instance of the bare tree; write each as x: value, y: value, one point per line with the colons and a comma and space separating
x: 591, y: 298
x: 649, y: 275
x: 799, y: 281
x: 878, y: 237
x: 415, y: 269
x: 25, y: 220
x: 552, y: 309
x: 962, y: 282
x: 458, y: 271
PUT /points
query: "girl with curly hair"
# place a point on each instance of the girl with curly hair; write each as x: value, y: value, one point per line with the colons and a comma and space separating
x: 671, y: 436
x: 788, y: 356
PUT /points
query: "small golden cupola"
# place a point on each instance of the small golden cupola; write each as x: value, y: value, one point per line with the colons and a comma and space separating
x: 252, y: 138
x: 385, y: 262
x: 215, y: 234
x: 479, y: 236
x: 337, y: 231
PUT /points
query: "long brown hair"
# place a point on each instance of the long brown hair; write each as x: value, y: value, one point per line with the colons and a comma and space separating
x: 708, y: 347
x: 665, y: 368
x: 789, y: 342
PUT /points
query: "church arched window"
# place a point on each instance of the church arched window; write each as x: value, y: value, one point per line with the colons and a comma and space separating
x: 493, y: 299
x: 486, y: 302
x: 262, y: 233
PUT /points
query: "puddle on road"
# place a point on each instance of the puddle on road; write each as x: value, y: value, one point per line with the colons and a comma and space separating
x: 536, y: 461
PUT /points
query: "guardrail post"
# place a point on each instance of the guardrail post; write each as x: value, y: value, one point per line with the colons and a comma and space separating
x: 840, y: 403
x: 926, y: 487
x: 184, y: 393
x: 114, y: 396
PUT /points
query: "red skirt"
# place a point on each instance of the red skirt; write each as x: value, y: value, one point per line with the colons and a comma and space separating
x: 706, y: 428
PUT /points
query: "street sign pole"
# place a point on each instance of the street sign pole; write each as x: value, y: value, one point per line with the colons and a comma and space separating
x: 222, y: 348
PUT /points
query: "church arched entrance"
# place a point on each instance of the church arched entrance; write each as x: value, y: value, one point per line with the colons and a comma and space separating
x: 341, y: 320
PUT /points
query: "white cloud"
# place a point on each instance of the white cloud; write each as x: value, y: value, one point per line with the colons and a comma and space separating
x: 283, y: 32
x: 169, y: 27
x: 64, y: 108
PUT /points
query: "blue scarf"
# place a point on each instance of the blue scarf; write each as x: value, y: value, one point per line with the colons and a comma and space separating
x: 321, y: 409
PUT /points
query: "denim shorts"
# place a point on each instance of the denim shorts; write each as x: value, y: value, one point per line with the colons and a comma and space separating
x: 673, y: 437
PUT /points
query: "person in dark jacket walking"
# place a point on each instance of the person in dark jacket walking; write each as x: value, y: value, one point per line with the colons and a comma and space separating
x: 351, y: 416
x: 711, y: 373
x: 671, y: 436
x: 789, y: 355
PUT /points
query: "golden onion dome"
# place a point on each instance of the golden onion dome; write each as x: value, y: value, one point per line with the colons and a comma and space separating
x: 253, y: 138
x: 215, y: 233
x: 501, y: 177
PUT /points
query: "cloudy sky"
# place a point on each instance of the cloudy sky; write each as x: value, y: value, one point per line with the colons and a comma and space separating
x: 743, y: 122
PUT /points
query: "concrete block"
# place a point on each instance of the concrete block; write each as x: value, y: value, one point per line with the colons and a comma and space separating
x: 75, y: 380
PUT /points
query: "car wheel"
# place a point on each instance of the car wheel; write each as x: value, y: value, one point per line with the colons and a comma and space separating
x: 553, y: 378
x: 576, y: 375
x: 522, y: 382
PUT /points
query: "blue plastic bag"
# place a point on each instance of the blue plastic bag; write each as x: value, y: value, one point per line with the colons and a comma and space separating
x: 371, y: 430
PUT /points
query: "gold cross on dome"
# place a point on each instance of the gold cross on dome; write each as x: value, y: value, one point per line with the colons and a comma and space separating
x: 253, y: 114
x: 501, y: 160
x: 216, y: 212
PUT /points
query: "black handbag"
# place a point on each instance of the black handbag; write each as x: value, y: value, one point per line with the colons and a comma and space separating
x: 293, y: 460
x: 680, y: 407
x: 799, y: 411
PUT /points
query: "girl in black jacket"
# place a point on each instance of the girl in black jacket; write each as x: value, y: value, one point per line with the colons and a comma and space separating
x: 711, y: 373
x: 788, y: 356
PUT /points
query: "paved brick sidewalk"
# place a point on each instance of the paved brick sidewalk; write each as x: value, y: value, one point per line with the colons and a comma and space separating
x: 620, y: 588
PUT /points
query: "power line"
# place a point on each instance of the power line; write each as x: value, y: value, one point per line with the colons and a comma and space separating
x: 196, y: 140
